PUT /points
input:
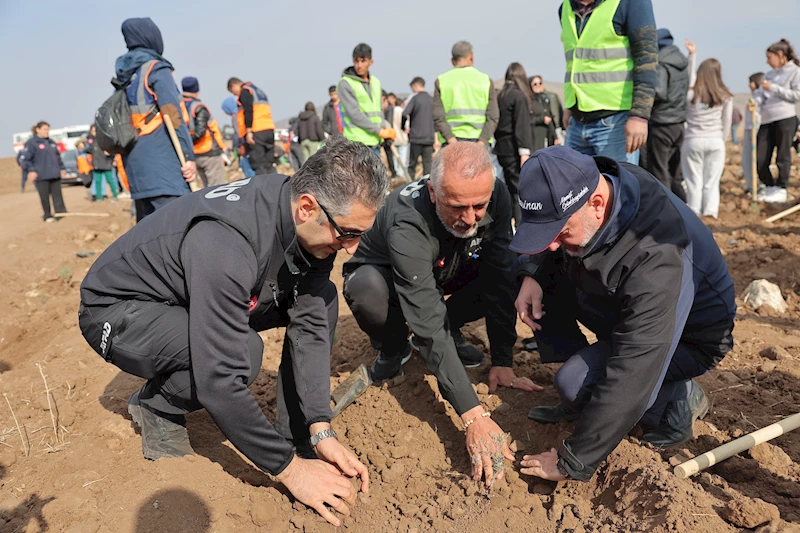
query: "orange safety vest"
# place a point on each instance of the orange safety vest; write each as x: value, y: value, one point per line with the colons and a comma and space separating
x: 123, y: 176
x: 206, y: 143
x: 262, y: 113
x: 84, y: 164
x: 144, y: 109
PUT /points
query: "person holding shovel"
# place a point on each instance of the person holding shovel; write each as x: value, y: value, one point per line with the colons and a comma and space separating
x: 612, y: 249
x: 179, y: 299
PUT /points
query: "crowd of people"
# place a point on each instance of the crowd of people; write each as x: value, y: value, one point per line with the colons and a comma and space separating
x: 590, y: 221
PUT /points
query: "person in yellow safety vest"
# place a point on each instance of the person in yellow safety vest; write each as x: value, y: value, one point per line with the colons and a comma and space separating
x: 360, y: 102
x: 611, y: 52
x: 465, y: 100
x: 255, y: 124
x: 207, y: 139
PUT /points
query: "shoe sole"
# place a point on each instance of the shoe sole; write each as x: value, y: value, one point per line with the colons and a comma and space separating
x: 473, y: 365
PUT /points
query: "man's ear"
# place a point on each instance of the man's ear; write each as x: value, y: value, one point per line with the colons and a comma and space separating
x: 307, y: 208
x: 432, y: 192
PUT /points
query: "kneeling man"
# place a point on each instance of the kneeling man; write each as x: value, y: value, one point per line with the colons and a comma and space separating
x: 617, y: 252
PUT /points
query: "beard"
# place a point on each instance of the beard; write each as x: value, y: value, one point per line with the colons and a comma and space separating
x: 589, y: 233
x: 459, y: 229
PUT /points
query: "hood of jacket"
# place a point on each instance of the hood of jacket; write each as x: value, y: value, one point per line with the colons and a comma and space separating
x: 664, y: 38
x: 143, y: 39
x: 350, y: 72
x: 306, y: 115
x: 672, y: 56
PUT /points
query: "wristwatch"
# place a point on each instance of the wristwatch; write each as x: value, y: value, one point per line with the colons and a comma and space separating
x: 324, y: 434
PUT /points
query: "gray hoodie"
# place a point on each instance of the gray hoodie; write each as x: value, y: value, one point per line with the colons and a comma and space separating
x: 778, y: 103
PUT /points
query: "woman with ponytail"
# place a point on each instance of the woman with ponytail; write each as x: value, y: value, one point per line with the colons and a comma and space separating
x: 777, y: 97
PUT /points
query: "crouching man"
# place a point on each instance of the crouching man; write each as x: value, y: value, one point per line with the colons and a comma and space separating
x: 179, y: 298
x: 443, y: 235
x: 617, y: 252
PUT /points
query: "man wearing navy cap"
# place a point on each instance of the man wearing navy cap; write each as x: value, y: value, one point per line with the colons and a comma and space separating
x: 614, y: 250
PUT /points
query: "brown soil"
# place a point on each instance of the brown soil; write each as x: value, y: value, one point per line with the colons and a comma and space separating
x: 91, y: 477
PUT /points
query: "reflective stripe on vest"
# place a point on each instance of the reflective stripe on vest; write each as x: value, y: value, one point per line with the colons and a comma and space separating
x: 144, y: 110
x: 262, y: 112
x: 206, y: 143
x: 464, y: 92
x: 369, y: 104
x: 599, y: 62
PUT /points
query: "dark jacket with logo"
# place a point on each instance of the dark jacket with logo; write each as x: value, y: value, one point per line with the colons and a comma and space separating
x: 236, y: 284
x: 427, y: 262
x: 41, y: 156
x: 654, y: 276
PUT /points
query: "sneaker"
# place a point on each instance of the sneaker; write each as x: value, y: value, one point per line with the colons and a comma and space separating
x: 389, y: 366
x: 50, y: 220
x: 764, y: 192
x: 676, y: 423
x: 470, y: 356
x: 553, y: 414
x: 777, y: 196
x: 164, y: 435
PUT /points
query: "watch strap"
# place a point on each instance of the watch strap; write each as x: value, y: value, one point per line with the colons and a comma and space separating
x: 324, y: 434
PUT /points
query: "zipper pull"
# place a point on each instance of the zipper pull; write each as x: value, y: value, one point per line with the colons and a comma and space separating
x: 274, y: 292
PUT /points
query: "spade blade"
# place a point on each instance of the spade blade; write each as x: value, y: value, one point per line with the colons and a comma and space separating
x: 350, y: 389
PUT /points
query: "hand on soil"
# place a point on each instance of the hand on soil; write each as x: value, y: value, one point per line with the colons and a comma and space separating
x: 487, y: 441
x: 332, y: 451
x: 542, y: 465
x: 529, y: 303
x: 317, y: 483
x: 503, y: 375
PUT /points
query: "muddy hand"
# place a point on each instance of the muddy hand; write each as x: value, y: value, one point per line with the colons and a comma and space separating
x: 332, y: 451
x: 487, y: 447
x: 317, y: 484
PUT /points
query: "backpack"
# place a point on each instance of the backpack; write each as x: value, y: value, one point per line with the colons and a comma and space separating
x: 115, y: 131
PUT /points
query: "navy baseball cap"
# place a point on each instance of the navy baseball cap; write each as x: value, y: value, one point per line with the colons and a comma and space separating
x: 190, y: 84
x: 553, y: 185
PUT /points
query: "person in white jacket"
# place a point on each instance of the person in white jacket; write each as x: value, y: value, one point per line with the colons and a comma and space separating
x: 708, y: 121
x: 777, y: 98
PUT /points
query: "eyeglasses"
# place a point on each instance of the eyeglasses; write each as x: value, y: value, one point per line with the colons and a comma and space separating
x: 343, y: 235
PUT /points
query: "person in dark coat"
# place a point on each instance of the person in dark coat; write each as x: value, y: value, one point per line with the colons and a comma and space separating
x: 102, y: 166
x: 543, y: 121
x: 418, y: 116
x: 665, y: 129
x: 309, y: 131
x: 513, y: 133
x: 45, y: 168
x: 20, y: 156
x: 332, y: 113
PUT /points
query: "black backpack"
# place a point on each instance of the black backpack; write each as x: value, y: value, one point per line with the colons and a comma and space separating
x: 115, y: 131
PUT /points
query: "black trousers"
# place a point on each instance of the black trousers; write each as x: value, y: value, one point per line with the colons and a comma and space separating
x: 151, y: 340
x: 778, y: 135
x: 387, y: 149
x: 415, y: 151
x: 369, y: 291
x: 262, y: 153
x: 663, y: 158
x: 47, y: 189
x: 148, y: 206
x: 511, y: 170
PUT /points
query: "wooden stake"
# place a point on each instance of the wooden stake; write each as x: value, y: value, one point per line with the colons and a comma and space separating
x: 49, y: 405
x: 177, y: 145
x: 753, y: 154
x: 739, y: 445
x: 74, y: 214
x: 25, y: 447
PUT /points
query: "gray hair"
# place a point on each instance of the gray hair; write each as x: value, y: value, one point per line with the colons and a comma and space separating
x: 467, y: 159
x: 340, y: 173
x: 461, y: 50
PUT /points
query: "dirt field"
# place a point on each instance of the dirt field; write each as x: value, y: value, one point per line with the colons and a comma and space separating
x: 89, y: 476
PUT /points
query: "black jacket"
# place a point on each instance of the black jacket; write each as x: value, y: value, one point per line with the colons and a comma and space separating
x: 427, y: 263
x: 329, y: 123
x: 419, y: 111
x: 513, y: 131
x: 654, y: 274
x: 673, y: 85
x: 41, y: 156
x: 236, y: 283
x: 100, y: 161
x: 309, y: 127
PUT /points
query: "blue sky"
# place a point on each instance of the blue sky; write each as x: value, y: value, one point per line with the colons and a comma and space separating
x: 58, y: 57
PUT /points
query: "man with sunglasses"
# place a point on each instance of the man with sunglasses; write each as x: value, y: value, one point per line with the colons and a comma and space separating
x: 179, y: 299
x: 447, y: 234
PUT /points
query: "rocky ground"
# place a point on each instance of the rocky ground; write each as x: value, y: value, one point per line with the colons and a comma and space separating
x: 87, y: 475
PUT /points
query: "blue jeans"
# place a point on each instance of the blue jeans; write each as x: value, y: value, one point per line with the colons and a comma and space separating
x: 244, y: 164
x: 605, y: 137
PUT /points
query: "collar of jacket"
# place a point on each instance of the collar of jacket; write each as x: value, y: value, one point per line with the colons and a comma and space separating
x: 582, y: 10
x: 127, y: 63
x: 350, y: 72
x: 624, y: 208
x: 292, y: 251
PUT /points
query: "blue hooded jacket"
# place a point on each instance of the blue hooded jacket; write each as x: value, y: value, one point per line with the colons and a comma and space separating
x: 152, y: 166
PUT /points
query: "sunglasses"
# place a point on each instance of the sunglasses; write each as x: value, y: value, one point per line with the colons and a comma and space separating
x: 343, y: 235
